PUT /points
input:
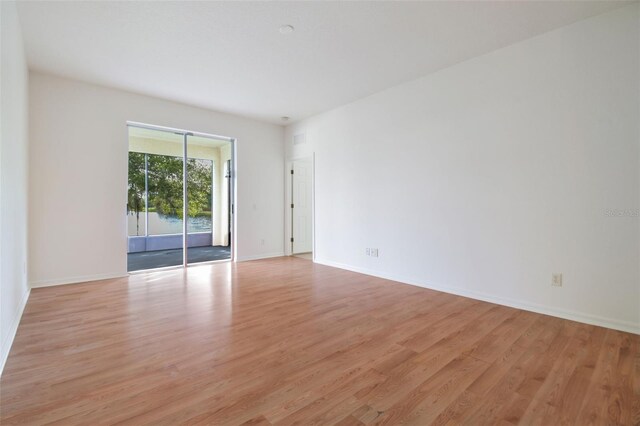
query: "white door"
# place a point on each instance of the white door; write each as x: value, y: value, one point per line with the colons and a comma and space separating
x: 301, y: 209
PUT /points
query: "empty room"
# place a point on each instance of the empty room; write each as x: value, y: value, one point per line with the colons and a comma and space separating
x: 320, y: 212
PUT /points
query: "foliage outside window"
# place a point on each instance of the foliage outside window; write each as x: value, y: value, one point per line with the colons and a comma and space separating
x: 165, y: 187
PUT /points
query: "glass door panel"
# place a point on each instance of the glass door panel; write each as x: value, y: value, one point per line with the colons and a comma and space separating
x: 207, y: 223
x: 155, y: 199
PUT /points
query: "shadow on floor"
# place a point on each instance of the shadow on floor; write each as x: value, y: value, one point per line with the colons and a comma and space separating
x: 173, y: 257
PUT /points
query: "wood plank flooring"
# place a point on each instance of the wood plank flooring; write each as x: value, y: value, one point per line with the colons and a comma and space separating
x: 285, y: 341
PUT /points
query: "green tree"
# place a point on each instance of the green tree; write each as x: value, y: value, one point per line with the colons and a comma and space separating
x: 165, y: 185
x: 135, y: 196
x: 199, y: 186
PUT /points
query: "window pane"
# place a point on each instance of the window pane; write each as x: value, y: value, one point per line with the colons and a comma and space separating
x: 199, y: 190
x: 135, y: 198
x: 165, y: 194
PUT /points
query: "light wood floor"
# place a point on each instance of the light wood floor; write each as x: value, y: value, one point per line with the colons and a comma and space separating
x: 307, y: 256
x: 285, y: 341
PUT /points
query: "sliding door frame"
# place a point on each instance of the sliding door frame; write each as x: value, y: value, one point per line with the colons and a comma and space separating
x: 185, y: 200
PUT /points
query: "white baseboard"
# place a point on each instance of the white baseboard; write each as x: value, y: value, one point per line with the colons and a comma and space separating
x: 74, y: 280
x: 259, y: 256
x: 8, y: 341
x: 612, y: 323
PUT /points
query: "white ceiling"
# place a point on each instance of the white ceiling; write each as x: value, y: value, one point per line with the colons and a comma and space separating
x: 230, y: 56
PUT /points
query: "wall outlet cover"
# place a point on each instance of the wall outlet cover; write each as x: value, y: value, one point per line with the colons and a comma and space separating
x: 556, y: 280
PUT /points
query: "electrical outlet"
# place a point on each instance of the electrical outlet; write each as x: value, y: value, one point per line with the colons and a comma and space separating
x: 374, y: 252
x: 368, y: 251
x: 556, y: 280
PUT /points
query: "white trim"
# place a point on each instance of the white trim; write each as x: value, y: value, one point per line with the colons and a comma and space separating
x: 313, y: 206
x: 233, y: 241
x: 207, y: 263
x: 612, y: 323
x: 158, y: 269
x: 260, y: 256
x: 8, y: 341
x: 75, y: 280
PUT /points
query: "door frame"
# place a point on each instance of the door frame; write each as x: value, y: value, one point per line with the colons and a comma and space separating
x: 233, y: 193
x: 288, y: 217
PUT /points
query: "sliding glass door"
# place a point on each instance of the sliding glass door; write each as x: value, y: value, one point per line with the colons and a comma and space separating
x: 207, y: 225
x: 175, y: 175
x: 155, y: 199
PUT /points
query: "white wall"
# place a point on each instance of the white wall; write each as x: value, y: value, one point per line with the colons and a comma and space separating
x: 14, y: 289
x: 485, y: 178
x: 78, y: 176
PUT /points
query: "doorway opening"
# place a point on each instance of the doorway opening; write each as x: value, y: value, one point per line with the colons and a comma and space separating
x: 301, y: 208
x: 172, y: 175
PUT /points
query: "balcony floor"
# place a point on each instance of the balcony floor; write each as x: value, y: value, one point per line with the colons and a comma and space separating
x: 173, y: 257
